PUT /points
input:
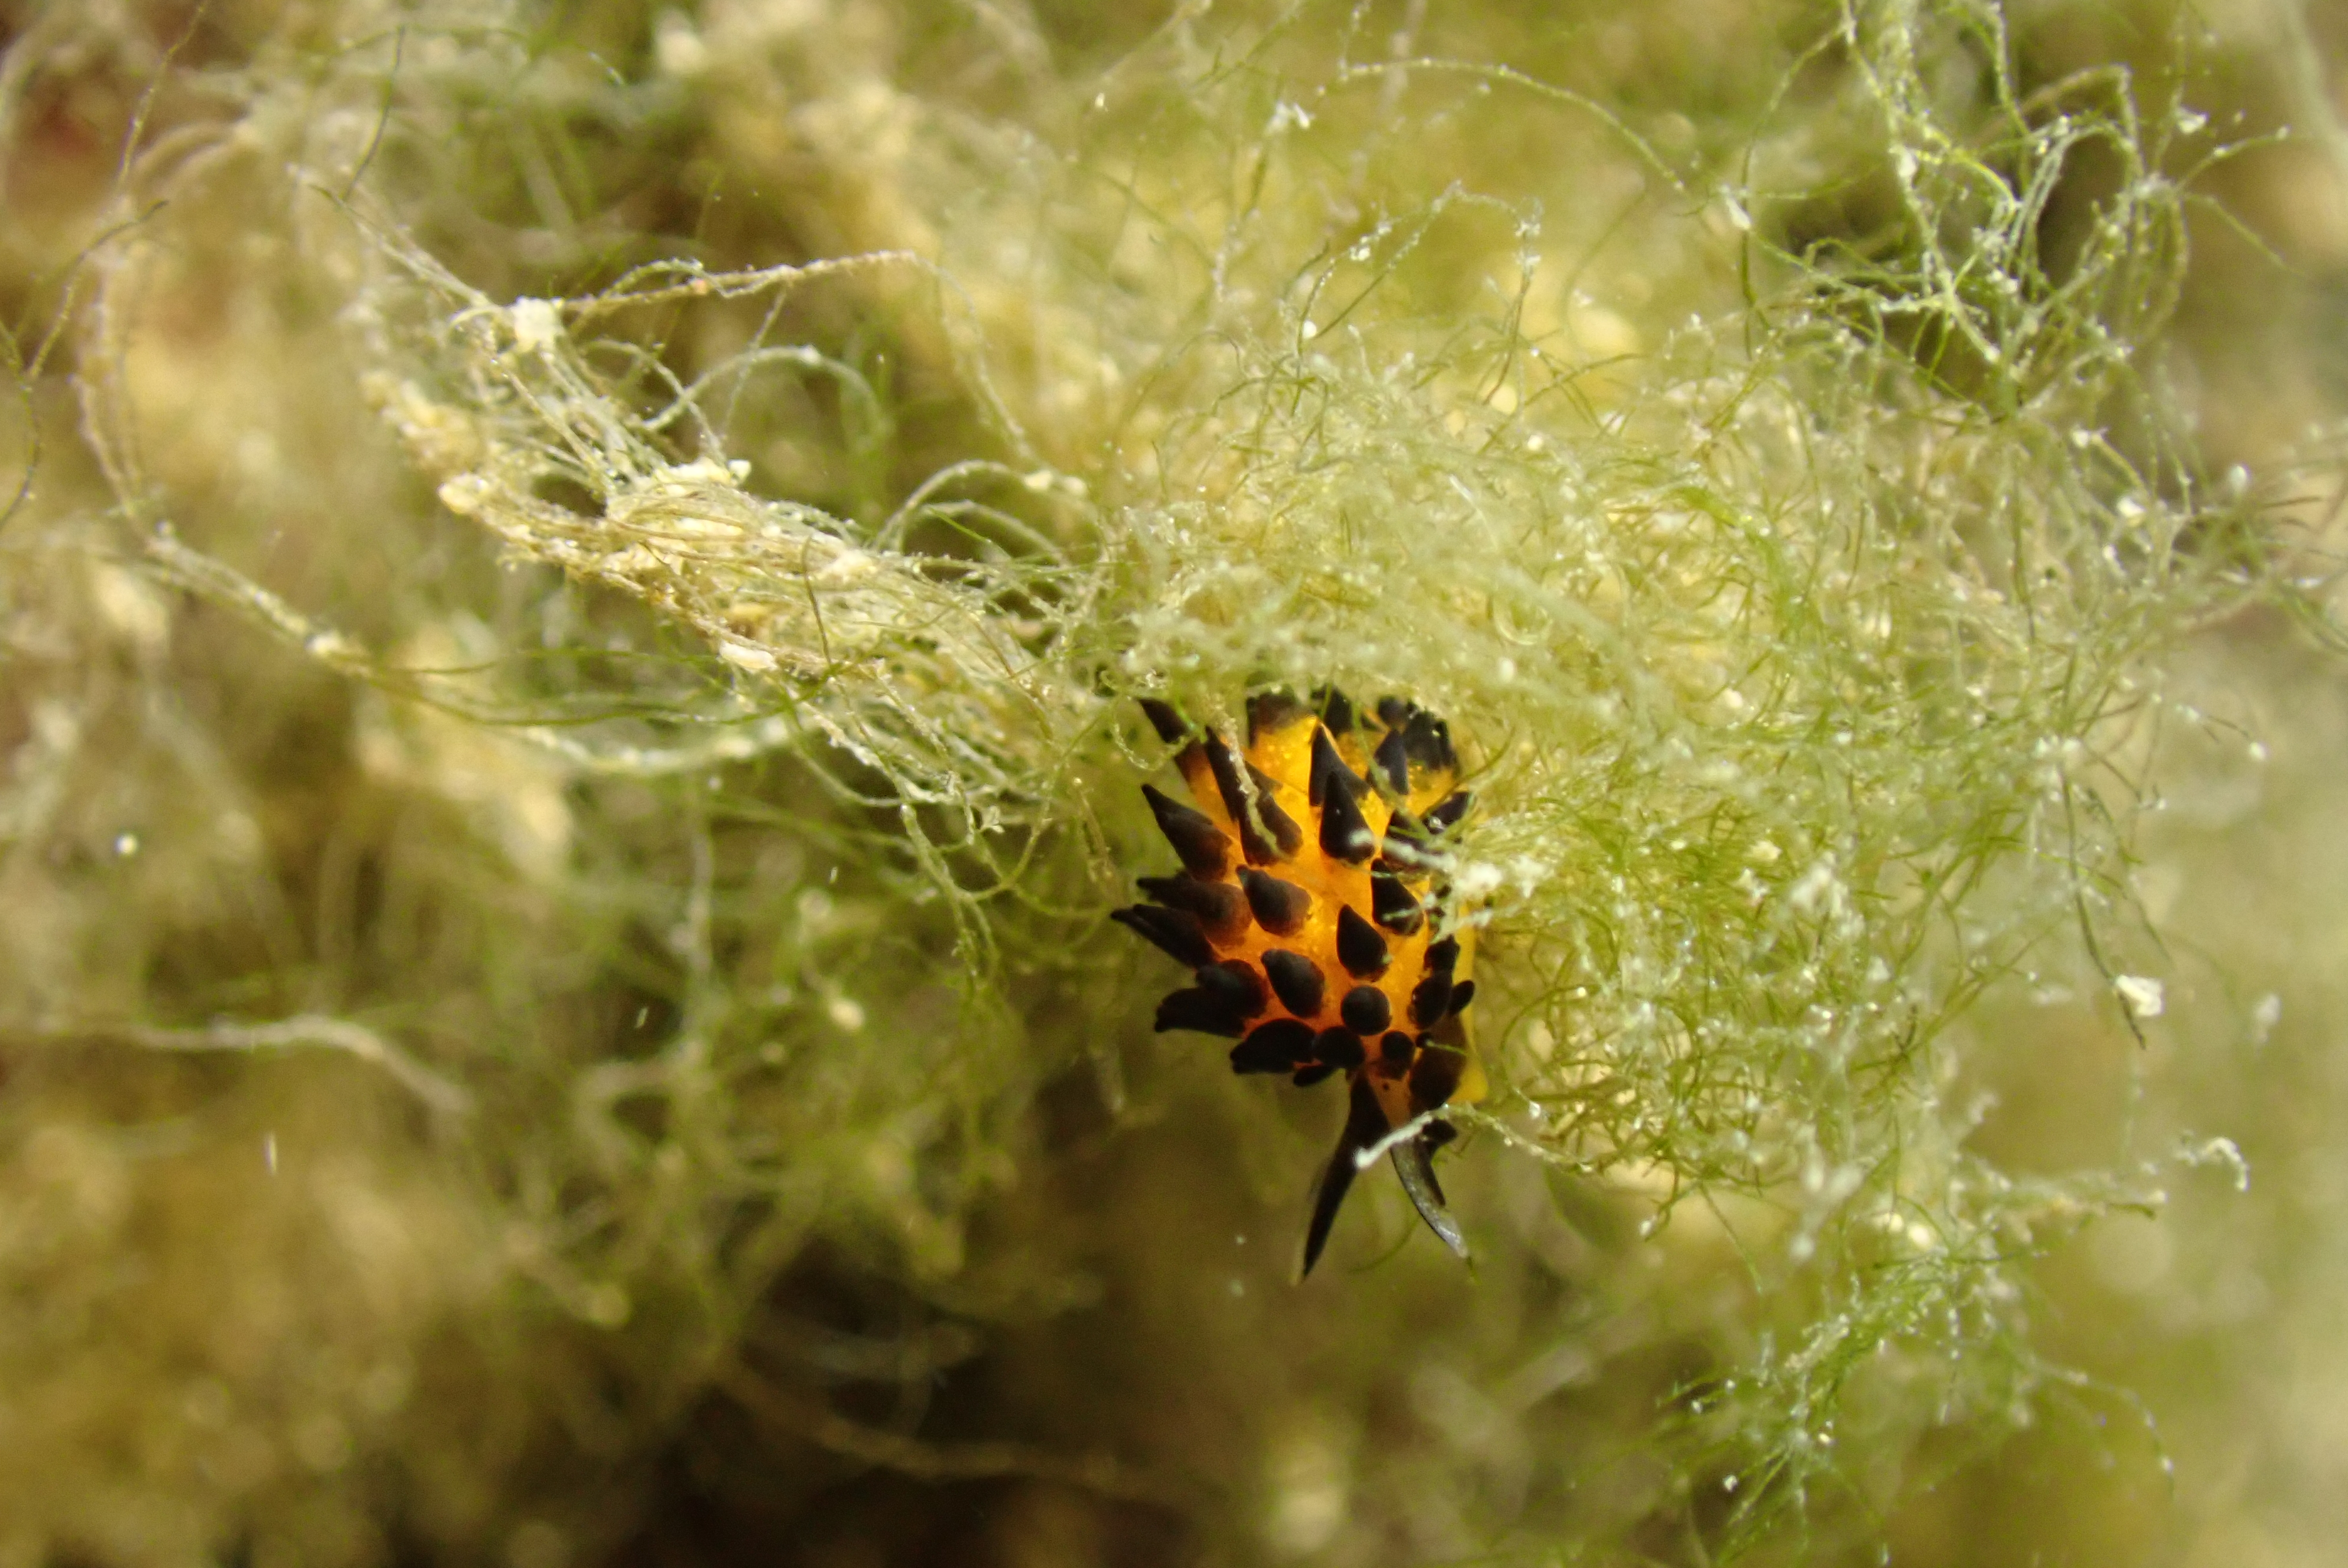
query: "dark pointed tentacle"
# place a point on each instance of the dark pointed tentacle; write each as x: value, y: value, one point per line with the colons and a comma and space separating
x: 1390, y: 766
x: 1219, y: 908
x: 1279, y: 1046
x: 1224, y: 763
x: 1360, y: 947
x: 1328, y: 767
x: 1344, y: 834
x: 1365, y: 1124
x: 1441, y: 1062
x: 1431, y: 999
x: 1426, y: 740
x: 1279, y: 908
x: 1175, y: 934
x: 1267, y: 833
x: 1287, y: 838
x: 1445, y: 815
x: 1163, y: 718
x: 1268, y: 711
x: 1203, y: 1010
x: 1296, y: 980
x: 1414, y: 1162
x: 1235, y: 983
x: 1394, y: 905
x: 1205, y: 849
x: 1336, y: 711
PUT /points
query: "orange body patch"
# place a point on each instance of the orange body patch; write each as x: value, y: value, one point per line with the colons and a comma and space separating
x: 1310, y: 910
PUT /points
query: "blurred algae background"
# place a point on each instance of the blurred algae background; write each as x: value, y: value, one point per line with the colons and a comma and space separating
x: 572, y: 575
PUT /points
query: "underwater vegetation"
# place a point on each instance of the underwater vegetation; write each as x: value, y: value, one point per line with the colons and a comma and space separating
x: 595, y: 597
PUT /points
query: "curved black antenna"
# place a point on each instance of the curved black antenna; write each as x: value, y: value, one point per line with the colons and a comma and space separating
x: 1414, y: 1162
x: 1365, y: 1124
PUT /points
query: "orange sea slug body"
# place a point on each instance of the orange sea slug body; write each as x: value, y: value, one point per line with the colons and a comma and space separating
x: 1310, y: 909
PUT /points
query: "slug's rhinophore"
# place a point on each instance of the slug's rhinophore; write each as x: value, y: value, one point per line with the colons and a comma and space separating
x: 1310, y: 909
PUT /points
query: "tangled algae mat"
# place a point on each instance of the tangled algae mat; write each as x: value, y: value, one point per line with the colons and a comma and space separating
x: 572, y: 580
